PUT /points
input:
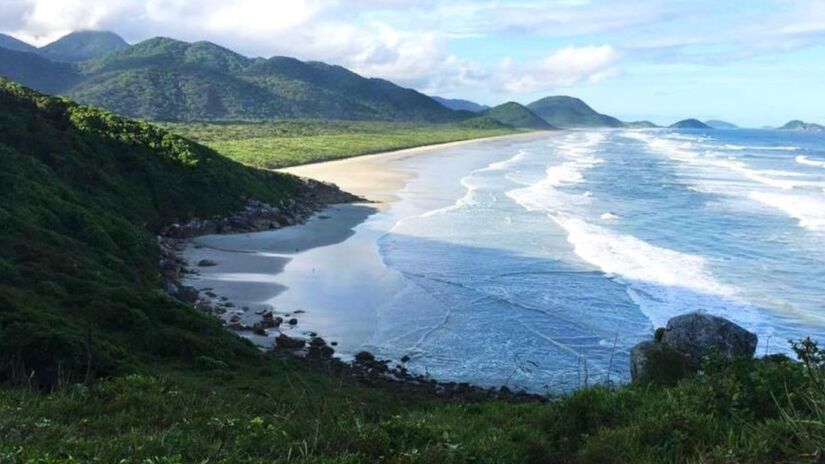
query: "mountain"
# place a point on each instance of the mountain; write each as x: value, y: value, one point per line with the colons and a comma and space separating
x: 37, y: 72
x: 167, y: 79
x: 563, y: 111
x: 640, y: 125
x: 797, y: 125
x: 519, y: 116
x: 690, y: 124
x: 83, y: 193
x: 82, y: 45
x: 717, y: 124
x: 10, y: 43
x: 460, y: 105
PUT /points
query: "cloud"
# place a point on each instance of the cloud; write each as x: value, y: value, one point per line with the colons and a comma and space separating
x: 563, y: 68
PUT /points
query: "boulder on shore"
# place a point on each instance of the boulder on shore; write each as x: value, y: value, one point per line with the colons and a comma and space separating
x: 681, y: 345
x: 698, y: 334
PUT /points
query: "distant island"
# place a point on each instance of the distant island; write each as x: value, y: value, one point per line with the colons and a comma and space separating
x: 797, y: 125
x: 564, y: 111
x: 690, y: 124
x: 718, y: 124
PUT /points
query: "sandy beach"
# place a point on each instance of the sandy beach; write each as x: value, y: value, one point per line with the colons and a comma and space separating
x: 306, y: 268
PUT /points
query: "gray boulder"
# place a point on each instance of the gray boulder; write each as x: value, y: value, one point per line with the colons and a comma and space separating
x: 697, y: 335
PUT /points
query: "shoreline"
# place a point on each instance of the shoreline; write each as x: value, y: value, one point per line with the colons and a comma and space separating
x: 369, y: 175
x: 236, y: 281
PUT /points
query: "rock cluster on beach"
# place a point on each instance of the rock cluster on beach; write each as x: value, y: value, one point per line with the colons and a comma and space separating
x: 681, y: 345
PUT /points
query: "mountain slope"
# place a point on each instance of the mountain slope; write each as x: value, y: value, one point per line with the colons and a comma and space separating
x: 797, y: 125
x: 689, y: 124
x: 82, y: 195
x: 82, y: 45
x: 10, y: 43
x: 166, y: 79
x: 717, y: 124
x: 460, y: 105
x: 563, y: 111
x: 516, y: 115
x: 37, y: 72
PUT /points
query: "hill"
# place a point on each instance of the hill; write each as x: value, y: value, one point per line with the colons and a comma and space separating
x: 797, y: 125
x: 166, y: 79
x: 82, y: 45
x: 563, y: 111
x: 516, y: 115
x: 41, y: 73
x: 83, y: 194
x: 717, y: 124
x: 10, y: 43
x: 689, y: 124
x: 641, y: 125
x: 460, y: 105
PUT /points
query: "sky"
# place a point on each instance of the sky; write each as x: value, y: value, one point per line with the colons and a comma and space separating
x: 752, y: 62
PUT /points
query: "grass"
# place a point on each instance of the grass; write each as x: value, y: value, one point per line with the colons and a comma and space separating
x: 274, y: 145
x: 749, y: 411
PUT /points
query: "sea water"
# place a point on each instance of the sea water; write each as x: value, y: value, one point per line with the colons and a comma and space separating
x: 539, y: 263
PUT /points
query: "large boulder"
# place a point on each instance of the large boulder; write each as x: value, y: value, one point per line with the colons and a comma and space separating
x: 698, y: 335
x: 678, y: 348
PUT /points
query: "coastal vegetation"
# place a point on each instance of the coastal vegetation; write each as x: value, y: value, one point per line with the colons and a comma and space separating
x: 288, y: 143
x: 98, y: 364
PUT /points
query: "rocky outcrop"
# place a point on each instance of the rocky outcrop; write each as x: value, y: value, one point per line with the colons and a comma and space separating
x: 697, y: 335
x: 679, y: 348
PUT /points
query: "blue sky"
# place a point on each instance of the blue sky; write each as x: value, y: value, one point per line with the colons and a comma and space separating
x: 755, y: 62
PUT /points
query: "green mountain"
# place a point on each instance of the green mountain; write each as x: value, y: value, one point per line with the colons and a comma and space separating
x: 166, y: 79
x: 717, y: 124
x: 641, y: 125
x: 37, y: 72
x: 82, y: 45
x: 516, y: 115
x: 797, y: 125
x: 563, y: 111
x: 689, y: 124
x: 460, y: 105
x: 82, y: 195
x: 10, y: 43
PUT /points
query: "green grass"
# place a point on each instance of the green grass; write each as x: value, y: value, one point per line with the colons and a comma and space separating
x: 281, y: 411
x: 279, y: 144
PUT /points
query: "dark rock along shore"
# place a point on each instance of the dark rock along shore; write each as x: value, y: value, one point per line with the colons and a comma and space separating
x: 312, y: 197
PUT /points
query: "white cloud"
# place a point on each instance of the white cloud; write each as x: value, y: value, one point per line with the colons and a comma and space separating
x: 562, y: 68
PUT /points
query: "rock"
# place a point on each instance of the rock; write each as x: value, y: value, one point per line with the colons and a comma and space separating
x: 187, y: 294
x: 258, y: 329
x: 289, y: 343
x: 698, y: 334
x: 293, y: 321
x: 206, y: 263
x: 318, y: 342
x: 364, y: 357
x: 405, y: 359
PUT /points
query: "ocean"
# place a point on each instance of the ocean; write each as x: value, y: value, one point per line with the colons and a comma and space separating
x: 539, y: 263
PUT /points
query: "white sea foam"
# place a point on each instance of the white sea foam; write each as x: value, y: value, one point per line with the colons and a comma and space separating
x: 796, y: 194
x: 801, y: 159
x: 609, y: 216
x: 809, y: 210
x: 730, y: 146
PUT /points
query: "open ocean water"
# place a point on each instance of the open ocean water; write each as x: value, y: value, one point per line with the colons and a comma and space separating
x: 561, y: 253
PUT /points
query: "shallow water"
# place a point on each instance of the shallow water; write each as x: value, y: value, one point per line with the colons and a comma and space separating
x: 539, y: 263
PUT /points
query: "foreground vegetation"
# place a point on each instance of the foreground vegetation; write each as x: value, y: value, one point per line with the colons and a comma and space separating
x: 750, y: 411
x: 97, y: 364
x: 288, y: 143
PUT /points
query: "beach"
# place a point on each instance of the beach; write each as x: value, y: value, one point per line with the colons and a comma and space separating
x: 297, y: 268
x: 534, y: 261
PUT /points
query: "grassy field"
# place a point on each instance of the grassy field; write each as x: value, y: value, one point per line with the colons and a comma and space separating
x: 288, y: 143
x: 281, y: 411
